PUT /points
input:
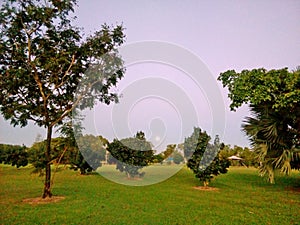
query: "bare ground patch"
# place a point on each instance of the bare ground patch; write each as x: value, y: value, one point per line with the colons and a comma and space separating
x: 293, y: 189
x: 39, y: 200
x: 202, y: 188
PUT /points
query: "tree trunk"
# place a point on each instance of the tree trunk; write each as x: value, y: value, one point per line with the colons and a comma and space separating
x: 205, y: 183
x: 47, y: 184
x: 82, y: 171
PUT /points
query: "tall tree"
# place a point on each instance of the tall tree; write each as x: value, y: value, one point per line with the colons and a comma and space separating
x: 43, y: 58
x: 274, y: 127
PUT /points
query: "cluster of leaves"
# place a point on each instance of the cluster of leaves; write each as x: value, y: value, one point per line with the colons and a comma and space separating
x: 132, y: 154
x: 14, y: 155
x: 274, y: 128
x: 44, y: 61
x: 205, y: 161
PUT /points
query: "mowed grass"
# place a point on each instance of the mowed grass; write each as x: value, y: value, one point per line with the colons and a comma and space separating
x: 243, y: 198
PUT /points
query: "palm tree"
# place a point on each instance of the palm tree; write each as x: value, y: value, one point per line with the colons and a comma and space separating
x: 275, y: 138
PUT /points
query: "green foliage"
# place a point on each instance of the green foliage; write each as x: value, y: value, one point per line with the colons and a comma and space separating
x: 190, y: 143
x: 165, y: 155
x: 14, y: 155
x: 60, y: 153
x: 279, y: 89
x: 75, y: 158
x: 274, y: 128
x: 168, y: 152
x: 86, y: 152
x: 177, y: 157
x: 36, y: 157
x: 63, y: 151
x: 91, y: 152
x: 43, y: 59
x: 132, y: 154
x: 249, y: 156
x: 205, y: 161
x: 158, y: 158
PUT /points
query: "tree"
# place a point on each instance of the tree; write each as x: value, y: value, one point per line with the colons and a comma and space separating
x: 169, y: 151
x: 64, y: 150
x: 132, y: 154
x: 248, y: 155
x: 205, y: 161
x: 92, y: 152
x: 43, y: 58
x: 14, y: 155
x: 86, y: 152
x: 274, y: 127
x: 177, y: 157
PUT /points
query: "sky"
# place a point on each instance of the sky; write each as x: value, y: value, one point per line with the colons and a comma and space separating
x: 164, y: 99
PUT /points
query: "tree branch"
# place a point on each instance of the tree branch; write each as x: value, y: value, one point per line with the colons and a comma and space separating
x: 63, y: 81
x: 74, y: 105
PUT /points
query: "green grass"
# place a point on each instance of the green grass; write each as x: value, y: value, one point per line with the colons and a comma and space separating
x: 153, y: 174
x: 243, y: 198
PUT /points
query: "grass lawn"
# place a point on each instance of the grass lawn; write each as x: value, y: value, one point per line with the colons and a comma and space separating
x: 242, y: 198
x: 153, y: 174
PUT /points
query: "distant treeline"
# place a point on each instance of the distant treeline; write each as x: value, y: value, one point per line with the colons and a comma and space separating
x: 249, y: 157
x: 95, y: 149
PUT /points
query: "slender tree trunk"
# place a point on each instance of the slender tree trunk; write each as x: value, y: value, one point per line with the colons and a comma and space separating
x: 47, y: 185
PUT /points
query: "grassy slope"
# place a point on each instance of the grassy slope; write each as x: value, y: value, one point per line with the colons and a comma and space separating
x: 243, y: 198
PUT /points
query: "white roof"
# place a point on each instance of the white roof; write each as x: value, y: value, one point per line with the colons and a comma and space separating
x: 235, y: 158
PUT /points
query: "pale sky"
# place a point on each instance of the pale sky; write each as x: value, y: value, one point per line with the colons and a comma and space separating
x: 222, y: 34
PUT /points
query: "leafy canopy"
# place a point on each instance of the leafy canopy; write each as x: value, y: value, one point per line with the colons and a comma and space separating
x: 132, y: 154
x: 205, y: 161
x: 47, y: 68
x: 43, y: 58
x: 274, y: 128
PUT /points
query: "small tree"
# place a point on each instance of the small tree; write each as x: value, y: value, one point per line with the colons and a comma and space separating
x: 43, y: 59
x: 132, y: 154
x: 205, y: 161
